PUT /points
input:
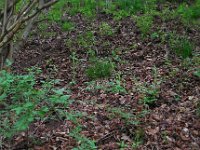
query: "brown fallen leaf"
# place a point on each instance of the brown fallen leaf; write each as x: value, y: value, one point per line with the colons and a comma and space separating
x: 153, y: 131
x: 126, y: 138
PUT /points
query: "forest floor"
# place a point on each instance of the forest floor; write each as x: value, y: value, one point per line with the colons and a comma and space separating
x: 113, y: 113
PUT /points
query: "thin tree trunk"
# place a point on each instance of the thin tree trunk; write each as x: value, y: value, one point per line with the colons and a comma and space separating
x: 11, y: 23
x: 7, y: 50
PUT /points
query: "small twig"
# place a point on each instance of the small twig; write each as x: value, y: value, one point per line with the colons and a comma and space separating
x: 107, y: 136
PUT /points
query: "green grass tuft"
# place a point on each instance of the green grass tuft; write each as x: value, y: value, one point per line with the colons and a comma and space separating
x: 182, y: 47
x: 100, y: 69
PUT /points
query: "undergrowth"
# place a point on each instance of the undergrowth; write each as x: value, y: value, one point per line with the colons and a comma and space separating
x: 22, y: 102
x: 189, y: 13
x: 181, y: 46
x: 100, y: 68
x: 144, y: 23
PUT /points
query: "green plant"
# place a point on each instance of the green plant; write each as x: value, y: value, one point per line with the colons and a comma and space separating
x: 144, y: 23
x: 122, y: 145
x: 197, y: 73
x: 164, y: 136
x: 181, y: 46
x: 131, y: 7
x: 198, y: 109
x: 1, y: 5
x: 191, y: 63
x: 92, y: 86
x: 119, y: 9
x: 86, y: 40
x: 91, y: 54
x: 116, y: 56
x: 189, y: 13
x: 84, y: 143
x: 173, y: 72
x: 155, y: 35
x: 106, y: 29
x: 87, y: 7
x: 43, y: 30
x: 116, y: 86
x: 100, y: 68
x: 151, y: 95
x: 134, y: 6
x: 67, y: 26
x: 23, y: 102
x: 57, y: 11
x: 43, y: 26
x: 138, y: 138
x: 48, y: 34
x: 119, y: 15
x: 69, y: 43
x: 74, y: 60
x: 149, y: 91
x: 127, y: 117
x: 130, y: 119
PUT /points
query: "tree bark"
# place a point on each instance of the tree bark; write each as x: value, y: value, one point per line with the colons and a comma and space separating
x: 6, y: 50
x: 12, y: 21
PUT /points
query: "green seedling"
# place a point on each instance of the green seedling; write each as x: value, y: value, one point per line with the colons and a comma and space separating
x: 144, y: 23
x: 106, y: 29
x: 68, y: 26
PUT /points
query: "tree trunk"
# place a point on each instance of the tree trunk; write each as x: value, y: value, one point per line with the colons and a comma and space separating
x: 6, y: 56
x: 7, y: 50
x: 11, y: 23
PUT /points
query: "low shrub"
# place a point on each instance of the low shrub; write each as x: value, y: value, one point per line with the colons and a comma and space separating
x: 22, y: 102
